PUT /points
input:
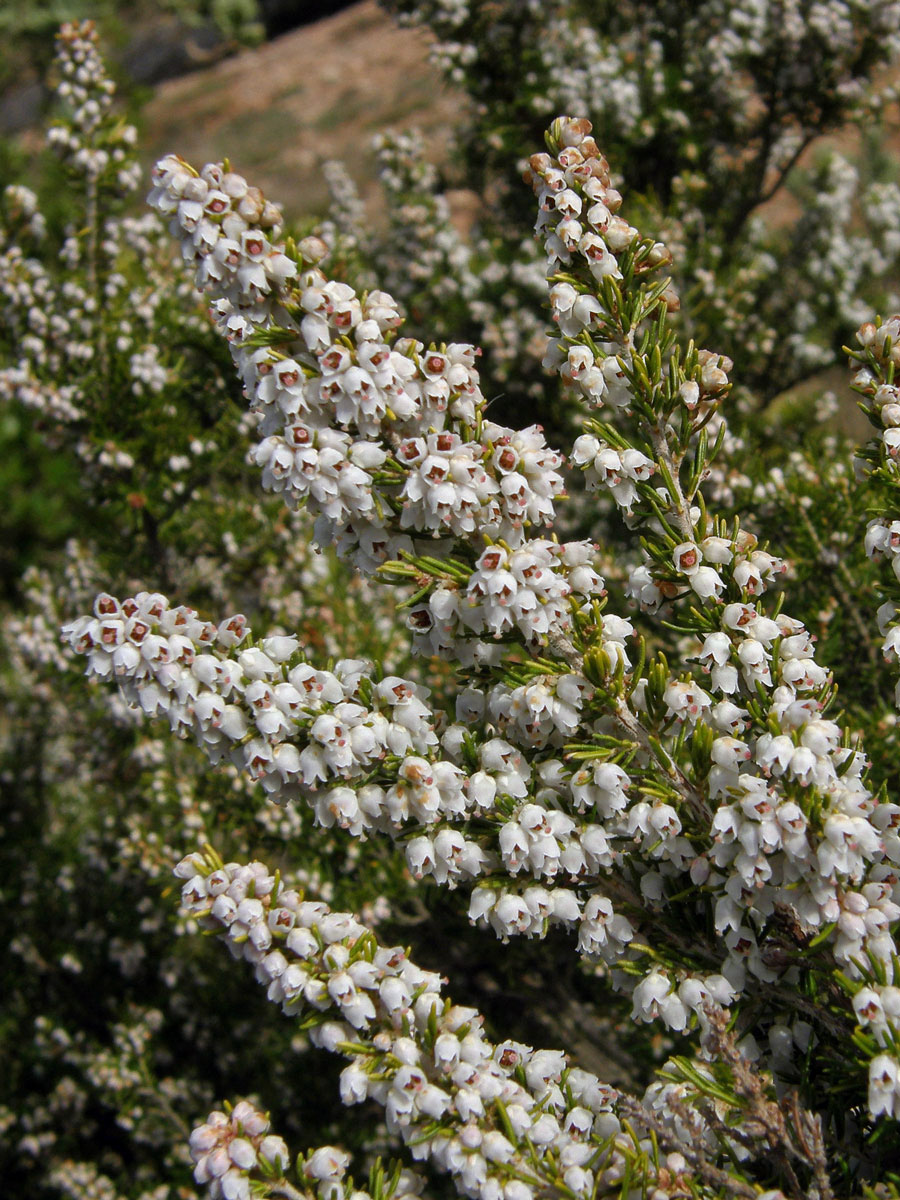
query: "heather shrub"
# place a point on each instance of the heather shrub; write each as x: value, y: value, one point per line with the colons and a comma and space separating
x: 711, y: 114
x: 127, y: 391
x: 623, y: 703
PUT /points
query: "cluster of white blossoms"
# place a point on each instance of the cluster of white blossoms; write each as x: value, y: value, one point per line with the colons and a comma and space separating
x: 340, y: 365
x: 505, y: 1121
x: 423, y: 253
x: 449, y: 487
x: 235, y: 1148
x: 73, y: 318
x: 365, y: 756
x: 285, y: 723
x: 148, y: 372
x: 765, y: 851
x: 363, y: 752
x: 322, y: 1172
x: 93, y: 144
x: 850, y: 250
x: 605, y: 467
x: 617, y: 68
x: 20, y: 210
x: 544, y: 711
x: 843, y: 258
x: 527, y: 589
x: 882, y: 542
x: 49, y: 329
x: 344, y: 230
x: 382, y: 439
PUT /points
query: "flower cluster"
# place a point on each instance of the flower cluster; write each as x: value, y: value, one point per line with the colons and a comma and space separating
x: 344, y: 231
x: 763, y: 839
x: 98, y: 149
x: 504, y: 1120
x: 423, y: 250
x: 527, y: 589
x: 277, y: 717
x: 383, y: 439
x: 232, y: 1149
x: 344, y: 402
x: 21, y: 213
x: 78, y: 316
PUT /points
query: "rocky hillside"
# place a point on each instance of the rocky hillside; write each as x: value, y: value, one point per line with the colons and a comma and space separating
x: 316, y: 93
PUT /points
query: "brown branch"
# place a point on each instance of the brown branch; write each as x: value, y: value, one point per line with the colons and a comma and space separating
x: 691, y: 1152
x: 790, y: 1132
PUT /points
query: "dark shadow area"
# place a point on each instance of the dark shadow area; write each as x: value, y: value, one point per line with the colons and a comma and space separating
x: 280, y: 16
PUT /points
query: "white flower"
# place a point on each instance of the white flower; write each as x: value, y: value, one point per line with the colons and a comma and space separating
x: 884, y: 1086
x: 327, y: 1163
